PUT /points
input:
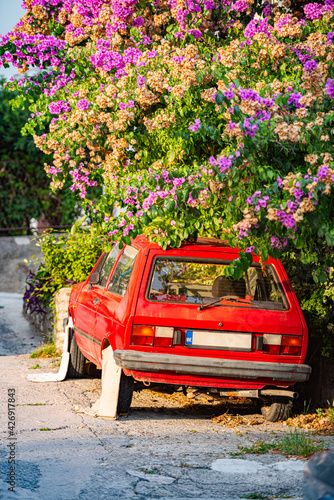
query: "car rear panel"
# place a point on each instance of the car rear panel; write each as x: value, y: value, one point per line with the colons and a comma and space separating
x: 231, y: 332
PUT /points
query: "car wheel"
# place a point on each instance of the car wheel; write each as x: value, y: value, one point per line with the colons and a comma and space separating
x: 76, y: 367
x: 277, y: 409
x: 125, y: 394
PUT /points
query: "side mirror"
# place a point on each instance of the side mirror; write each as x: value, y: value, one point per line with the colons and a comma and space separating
x: 94, y: 278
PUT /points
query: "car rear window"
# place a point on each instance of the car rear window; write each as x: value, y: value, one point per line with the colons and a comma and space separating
x: 196, y: 281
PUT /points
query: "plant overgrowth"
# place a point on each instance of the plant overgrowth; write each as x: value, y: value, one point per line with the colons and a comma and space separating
x: 49, y: 350
x: 68, y: 258
x: 294, y: 443
x: 199, y: 117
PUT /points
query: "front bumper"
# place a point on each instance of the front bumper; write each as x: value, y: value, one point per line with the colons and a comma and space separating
x: 211, y: 367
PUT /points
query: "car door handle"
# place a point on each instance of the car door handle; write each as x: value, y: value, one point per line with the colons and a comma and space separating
x: 96, y: 301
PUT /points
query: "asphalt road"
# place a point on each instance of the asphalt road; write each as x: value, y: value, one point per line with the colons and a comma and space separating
x: 165, y: 449
x: 17, y: 336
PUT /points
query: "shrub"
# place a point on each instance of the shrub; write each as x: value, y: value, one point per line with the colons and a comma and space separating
x: 68, y: 259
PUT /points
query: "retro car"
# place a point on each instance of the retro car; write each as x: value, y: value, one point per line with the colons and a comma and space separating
x: 172, y: 317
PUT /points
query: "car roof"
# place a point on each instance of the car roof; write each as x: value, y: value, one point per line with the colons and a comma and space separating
x: 201, y: 243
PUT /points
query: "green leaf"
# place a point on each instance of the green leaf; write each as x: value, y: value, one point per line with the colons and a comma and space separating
x: 186, y: 194
x: 264, y: 253
x: 220, y: 98
x: 77, y: 224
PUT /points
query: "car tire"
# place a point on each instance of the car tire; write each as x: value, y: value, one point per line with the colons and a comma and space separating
x: 76, y: 367
x: 278, y: 409
x: 125, y: 394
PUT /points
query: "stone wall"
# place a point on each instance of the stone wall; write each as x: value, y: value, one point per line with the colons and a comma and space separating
x: 52, y: 326
x: 15, y: 251
x: 41, y: 321
x: 61, y: 300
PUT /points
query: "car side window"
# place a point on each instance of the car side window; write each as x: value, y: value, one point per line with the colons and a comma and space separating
x: 121, y: 276
x: 108, y: 264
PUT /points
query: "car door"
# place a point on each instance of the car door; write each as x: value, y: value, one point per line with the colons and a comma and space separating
x: 112, y: 309
x: 88, y: 302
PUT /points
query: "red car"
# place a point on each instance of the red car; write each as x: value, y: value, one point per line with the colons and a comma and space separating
x: 171, y: 317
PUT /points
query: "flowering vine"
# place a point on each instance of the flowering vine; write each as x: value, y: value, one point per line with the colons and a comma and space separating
x: 199, y: 118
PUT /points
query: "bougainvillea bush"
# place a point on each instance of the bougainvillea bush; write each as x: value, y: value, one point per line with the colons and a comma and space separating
x: 199, y: 117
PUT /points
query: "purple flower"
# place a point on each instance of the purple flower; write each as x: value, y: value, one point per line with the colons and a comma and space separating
x: 275, y: 243
x: 250, y: 249
x: 240, y: 6
x: 224, y: 163
x: 292, y: 206
x: 229, y: 94
x: 310, y: 65
x: 83, y: 104
x: 287, y: 220
x: 322, y: 172
x: 298, y: 194
x: 195, y: 126
x: 57, y: 107
x: 138, y: 22
x: 250, y: 127
x: 313, y: 11
x: 294, y: 99
x: 212, y: 161
x: 330, y: 88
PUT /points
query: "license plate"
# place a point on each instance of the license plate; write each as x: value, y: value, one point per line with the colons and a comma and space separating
x: 220, y: 340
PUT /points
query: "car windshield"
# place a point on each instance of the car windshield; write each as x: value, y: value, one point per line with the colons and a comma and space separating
x: 196, y: 281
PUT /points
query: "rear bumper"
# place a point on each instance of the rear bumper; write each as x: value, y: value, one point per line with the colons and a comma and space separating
x: 211, y: 367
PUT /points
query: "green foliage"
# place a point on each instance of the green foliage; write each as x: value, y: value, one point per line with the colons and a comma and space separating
x: 258, y: 448
x: 47, y: 351
x: 258, y: 496
x: 235, y: 174
x: 329, y: 414
x: 68, y: 259
x: 316, y: 297
x: 24, y: 185
x: 296, y: 443
x: 300, y: 444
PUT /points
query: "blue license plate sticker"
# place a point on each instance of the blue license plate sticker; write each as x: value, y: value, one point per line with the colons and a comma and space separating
x: 189, y: 337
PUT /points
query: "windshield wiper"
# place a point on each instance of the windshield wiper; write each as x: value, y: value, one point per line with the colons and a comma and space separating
x: 204, y: 306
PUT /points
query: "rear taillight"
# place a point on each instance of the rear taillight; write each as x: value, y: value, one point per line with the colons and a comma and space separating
x: 291, y: 345
x: 158, y: 336
x: 282, y: 344
x: 142, y: 335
